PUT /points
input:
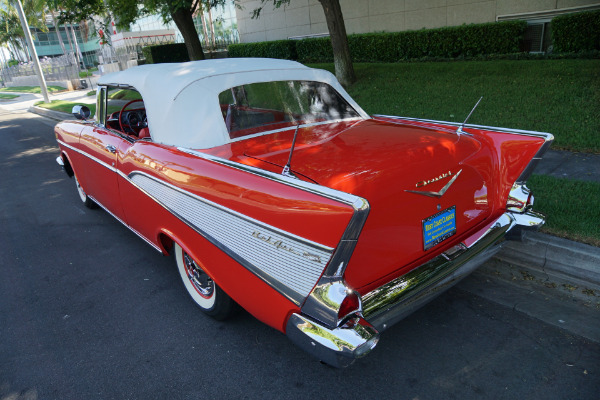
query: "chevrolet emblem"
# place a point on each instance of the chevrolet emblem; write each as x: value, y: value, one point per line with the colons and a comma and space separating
x: 440, y: 177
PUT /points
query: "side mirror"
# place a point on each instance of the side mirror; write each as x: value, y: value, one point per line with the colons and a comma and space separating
x: 81, y: 112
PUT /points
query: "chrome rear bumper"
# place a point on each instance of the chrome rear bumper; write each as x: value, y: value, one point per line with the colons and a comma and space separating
x: 398, y: 298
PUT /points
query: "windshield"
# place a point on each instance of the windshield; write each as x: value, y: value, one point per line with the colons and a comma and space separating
x: 267, y: 106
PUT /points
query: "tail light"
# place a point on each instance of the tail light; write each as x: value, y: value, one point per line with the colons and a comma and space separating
x: 350, y: 305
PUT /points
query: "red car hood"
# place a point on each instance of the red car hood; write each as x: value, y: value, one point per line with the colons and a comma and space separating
x: 387, y: 164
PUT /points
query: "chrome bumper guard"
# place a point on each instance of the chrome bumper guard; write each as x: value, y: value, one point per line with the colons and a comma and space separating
x: 393, y: 301
x: 337, y: 347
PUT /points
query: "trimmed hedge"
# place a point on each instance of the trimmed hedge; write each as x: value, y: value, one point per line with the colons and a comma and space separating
x: 450, y: 42
x: 166, y: 53
x: 463, y: 41
x: 378, y: 47
x: 576, y: 32
x: 315, y: 50
x: 284, y: 49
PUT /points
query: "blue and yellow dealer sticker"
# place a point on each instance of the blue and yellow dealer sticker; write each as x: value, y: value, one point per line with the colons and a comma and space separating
x: 439, y: 227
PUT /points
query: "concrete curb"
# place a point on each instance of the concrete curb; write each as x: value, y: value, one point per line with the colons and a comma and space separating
x: 575, y: 264
x: 55, y: 115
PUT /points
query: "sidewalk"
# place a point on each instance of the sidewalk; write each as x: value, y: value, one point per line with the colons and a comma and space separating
x: 25, y: 101
x: 565, y: 164
x: 564, y: 262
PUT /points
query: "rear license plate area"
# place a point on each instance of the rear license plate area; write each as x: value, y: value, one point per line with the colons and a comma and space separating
x: 439, y: 227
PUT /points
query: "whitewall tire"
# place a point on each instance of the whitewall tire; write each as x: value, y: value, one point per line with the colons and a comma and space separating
x: 211, y: 299
x: 89, y: 203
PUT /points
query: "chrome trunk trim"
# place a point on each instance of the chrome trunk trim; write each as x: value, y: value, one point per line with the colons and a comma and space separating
x: 545, y: 135
x: 548, y: 138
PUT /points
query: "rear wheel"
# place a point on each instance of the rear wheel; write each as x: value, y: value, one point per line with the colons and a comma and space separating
x: 202, y: 289
x: 89, y: 203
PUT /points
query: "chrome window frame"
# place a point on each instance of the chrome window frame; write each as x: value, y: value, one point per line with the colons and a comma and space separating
x: 101, y: 106
x: 102, y: 94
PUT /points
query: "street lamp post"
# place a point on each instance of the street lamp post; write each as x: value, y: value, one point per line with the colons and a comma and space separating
x: 36, y: 61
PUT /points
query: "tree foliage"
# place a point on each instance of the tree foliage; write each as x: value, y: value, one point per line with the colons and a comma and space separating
x: 75, y: 11
x: 344, y: 70
x: 11, y: 32
x: 126, y: 12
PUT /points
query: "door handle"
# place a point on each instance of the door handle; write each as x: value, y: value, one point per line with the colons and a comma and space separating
x: 111, y: 148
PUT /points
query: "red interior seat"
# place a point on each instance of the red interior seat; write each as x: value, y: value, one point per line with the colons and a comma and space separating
x: 144, y: 133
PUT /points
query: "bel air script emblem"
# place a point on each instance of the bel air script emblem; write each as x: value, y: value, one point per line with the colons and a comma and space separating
x: 432, y: 180
x: 279, y: 245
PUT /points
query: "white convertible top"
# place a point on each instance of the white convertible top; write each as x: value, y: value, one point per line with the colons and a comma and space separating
x: 182, y: 99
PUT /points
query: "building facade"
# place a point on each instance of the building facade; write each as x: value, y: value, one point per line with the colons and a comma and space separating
x: 47, y: 44
x: 217, y: 27
x: 306, y: 17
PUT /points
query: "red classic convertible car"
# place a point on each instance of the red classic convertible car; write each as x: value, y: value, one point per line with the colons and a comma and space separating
x: 276, y: 191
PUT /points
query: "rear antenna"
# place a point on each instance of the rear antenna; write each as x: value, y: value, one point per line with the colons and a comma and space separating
x: 460, y: 131
x: 287, y: 170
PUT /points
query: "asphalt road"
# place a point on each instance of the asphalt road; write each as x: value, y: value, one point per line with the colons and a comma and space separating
x: 90, y: 311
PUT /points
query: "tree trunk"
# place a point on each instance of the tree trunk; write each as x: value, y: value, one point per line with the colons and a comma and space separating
x: 344, y: 70
x: 184, y: 21
x: 72, y: 51
x: 78, y: 54
x: 25, y: 48
x: 56, y: 28
x: 206, y: 38
x: 13, y: 52
x: 212, y: 29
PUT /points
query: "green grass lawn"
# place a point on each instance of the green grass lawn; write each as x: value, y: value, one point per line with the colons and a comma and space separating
x: 119, y: 94
x: 89, y: 72
x: 65, y: 106
x: 8, y: 96
x: 32, y: 89
x: 124, y: 94
x: 571, y: 207
x: 557, y: 96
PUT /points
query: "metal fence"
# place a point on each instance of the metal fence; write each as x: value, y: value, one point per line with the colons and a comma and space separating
x: 62, y: 68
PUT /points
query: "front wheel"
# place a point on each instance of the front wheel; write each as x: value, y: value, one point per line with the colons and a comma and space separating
x: 89, y: 203
x: 204, y: 291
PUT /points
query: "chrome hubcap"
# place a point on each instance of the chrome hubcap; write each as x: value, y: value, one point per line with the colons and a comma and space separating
x: 201, y: 281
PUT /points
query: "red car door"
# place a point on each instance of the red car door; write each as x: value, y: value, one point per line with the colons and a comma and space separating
x: 104, y: 148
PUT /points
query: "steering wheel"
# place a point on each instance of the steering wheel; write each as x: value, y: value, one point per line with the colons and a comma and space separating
x: 121, y: 125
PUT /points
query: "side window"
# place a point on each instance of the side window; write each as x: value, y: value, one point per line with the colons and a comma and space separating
x: 126, y: 113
